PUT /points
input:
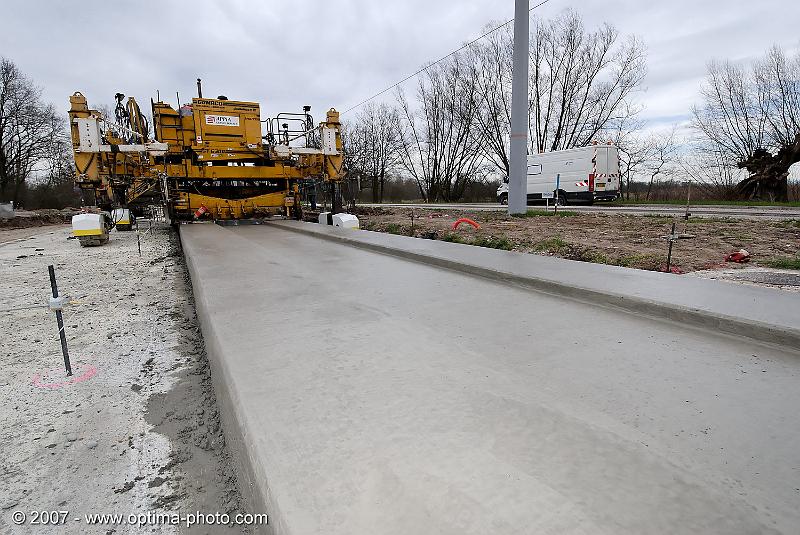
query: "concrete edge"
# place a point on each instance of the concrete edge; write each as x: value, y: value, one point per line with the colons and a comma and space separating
x: 731, y: 325
x: 248, y: 471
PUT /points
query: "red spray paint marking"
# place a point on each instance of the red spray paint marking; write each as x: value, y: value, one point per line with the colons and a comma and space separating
x: 84, y: 372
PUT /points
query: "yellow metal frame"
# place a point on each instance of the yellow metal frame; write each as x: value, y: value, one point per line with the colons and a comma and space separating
x: 209, y: 140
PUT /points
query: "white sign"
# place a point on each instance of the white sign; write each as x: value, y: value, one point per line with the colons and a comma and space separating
x: 329, y: 141
x: 222, y: 120
x: 547, y: 195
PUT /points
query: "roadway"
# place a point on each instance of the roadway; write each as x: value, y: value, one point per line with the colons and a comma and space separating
x: 761, y: 212
x: 366, y: 394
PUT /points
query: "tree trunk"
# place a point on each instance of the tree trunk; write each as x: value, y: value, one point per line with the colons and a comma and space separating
x: 649, y: 188
x: 374, y: 188
x: 628, y: 185
x: 769, y: 174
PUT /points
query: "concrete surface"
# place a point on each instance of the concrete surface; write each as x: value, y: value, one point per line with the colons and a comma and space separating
x: 365, y: 394
x: 755, y: 212
x: 762, y: 313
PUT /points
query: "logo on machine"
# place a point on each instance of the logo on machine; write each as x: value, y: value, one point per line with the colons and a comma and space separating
x: 222, y: 120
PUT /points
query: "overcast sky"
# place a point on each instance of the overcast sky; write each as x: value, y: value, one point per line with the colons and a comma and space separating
x: 336, y: 53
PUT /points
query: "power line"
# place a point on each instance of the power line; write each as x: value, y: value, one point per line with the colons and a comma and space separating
x: 425, y: 68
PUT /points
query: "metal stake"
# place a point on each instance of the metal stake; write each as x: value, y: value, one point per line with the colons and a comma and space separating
x: 558, y: 189
x: 138, y: 241
x: 60, y: 321
x: 671, y: 239
x: 688, y: 197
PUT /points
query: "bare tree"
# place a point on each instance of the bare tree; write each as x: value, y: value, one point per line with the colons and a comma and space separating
x: 28, y: 127
x: 648, y: 157
x: 662, y: 153
x: 626, y: 135
x: 581, y: 82
x: 633, y: 155
x: 751, y: 116
x: 373, y: 145
x: 712, y: 172
x: 492, y: 58
x: 581, y: 88
x: 440, y: 150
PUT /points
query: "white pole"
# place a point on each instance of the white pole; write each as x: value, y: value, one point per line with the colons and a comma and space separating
x: 517, y: 180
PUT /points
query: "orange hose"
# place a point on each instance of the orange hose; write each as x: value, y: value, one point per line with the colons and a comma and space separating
x: 466, y: 220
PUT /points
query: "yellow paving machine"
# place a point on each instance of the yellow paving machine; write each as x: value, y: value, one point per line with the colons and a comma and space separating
x: 212, y: 158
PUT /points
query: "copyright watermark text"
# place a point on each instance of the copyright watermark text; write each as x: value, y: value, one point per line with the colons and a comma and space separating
x: 149, y: 518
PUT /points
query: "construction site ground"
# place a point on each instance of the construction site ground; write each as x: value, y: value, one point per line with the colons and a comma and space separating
x: 625, y: 240
x: 136, y: 428
x: 37, y: 218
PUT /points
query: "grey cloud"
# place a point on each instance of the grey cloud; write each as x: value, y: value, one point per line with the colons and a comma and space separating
x: 287, y: 54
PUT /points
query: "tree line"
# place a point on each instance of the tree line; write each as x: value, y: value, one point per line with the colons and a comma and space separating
x: 449, y: 135
x: 584, y: 85
x: 36, y: 166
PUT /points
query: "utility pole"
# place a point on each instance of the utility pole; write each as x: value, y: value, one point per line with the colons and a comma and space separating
x: 518, y: 172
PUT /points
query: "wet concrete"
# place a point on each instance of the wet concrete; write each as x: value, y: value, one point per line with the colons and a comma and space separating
x: 362, y: 393
x: 765, y: 314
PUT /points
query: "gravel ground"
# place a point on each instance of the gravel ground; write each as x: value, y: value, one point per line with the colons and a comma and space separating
x: 37, y: 218
x: 773, y: 278
x: 143, y: 433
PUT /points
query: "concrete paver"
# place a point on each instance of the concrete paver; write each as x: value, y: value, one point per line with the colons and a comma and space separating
x: 369, y: 394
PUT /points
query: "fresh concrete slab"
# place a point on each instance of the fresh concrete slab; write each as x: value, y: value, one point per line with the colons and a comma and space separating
x: 765, y: 314
x: 366, y: 394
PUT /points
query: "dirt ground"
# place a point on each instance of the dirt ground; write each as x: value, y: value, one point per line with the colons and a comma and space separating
x: 138, y: 429
x: 19, y: 234
x: 37, y: 218
x: 624, y: 240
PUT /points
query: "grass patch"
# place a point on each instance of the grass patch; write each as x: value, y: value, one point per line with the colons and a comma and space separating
x: 493, y: 242
x: 789, y: 223
x: 552, y: 245
x: 394, y: 228
x: 545, y: 213
x: 453, y: 238
x: 649, y: 261
x: 558, y: 246
x: 592, y: 256
x: 658, y: 218
x: 783, y: 263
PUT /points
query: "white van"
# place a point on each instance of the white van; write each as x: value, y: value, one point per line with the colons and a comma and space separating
x: 583, y: 174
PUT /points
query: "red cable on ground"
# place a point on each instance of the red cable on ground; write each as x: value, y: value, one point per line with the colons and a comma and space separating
x: 465, y: 220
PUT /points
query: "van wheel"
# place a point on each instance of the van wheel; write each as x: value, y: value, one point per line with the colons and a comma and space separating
x: 562, y: 198
x: 504, y: 199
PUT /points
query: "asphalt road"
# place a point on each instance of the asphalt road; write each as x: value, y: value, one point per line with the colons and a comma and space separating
x: 760, y: 212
